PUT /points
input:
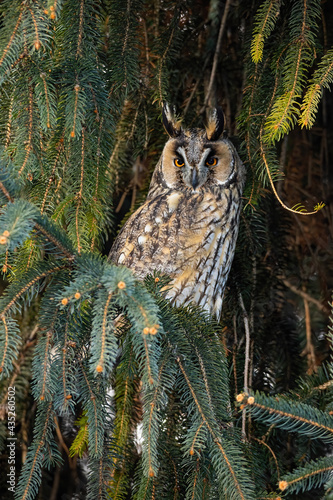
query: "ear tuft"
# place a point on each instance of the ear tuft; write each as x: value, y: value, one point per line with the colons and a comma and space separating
x: 215, y: 124
x: 170, y: 122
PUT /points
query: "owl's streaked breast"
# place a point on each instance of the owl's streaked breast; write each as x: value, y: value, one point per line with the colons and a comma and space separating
x: 189, y: 236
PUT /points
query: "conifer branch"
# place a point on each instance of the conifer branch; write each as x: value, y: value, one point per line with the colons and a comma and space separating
x: 98, y: 157
x: 30, y: 128
x: 81, y: 439
x: 322, y: 78
x: 299, y: 55
x: 79, y: 196
x: 148, y: 482
x: 279, y: 412
x: 37, y: 278
x: 104, y: 332
x: 5, y: 347
x: 117, y: 481
x: 204, y: 376
x: 249, y: 156
x: 153, y: 401
x: 49, y: 236
x: 150, y: 378
x: 247, y: 135
x: 65, y: 360
x: 231, y: 469
x: 30, y: 243
x: 263, y: 27
x: 5, y: 52
x: 161, y: 63
x: 113, y: 154
x: 291, y: 416
x: 263, y: 155
x: 95, y: 411
x: 175, y: 473
x: 195, y: 478
x: 42, y: 75
x: 34, y: 462
x: 123, y: 413
x: 8, y: 126
x: 64, y: 206
x: 50, y: 182
x: 283, y: 485
x: 37, y: 42
x: 20, y: 363
x: 128, y: 7
x: 93, y: 239
x: 100, y: 477
x: 195, y: 397
x: 124, y: 401
x: 215, y: 438
x: 79, y: 41
x: 195, y: 438
x: 312, y: 474
x: 45, y: 364
x: 76, y: 90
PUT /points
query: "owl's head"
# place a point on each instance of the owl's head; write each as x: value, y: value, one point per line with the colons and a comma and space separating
x: 198, y: 159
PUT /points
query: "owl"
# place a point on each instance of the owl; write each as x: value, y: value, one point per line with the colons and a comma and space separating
x: 187, y: 227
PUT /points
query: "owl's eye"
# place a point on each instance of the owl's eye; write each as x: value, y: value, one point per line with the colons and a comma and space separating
x: 211, y: 161
x: 179, y: 162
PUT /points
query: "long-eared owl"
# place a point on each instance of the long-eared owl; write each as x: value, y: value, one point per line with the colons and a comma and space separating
x: 187, y: 227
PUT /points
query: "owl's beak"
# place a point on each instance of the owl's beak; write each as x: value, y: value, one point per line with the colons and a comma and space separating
x: 194, y: 179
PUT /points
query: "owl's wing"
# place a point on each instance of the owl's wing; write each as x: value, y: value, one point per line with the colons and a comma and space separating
x: 153, y: 236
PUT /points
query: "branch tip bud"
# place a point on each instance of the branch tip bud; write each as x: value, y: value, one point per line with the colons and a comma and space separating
x: 283, y: 485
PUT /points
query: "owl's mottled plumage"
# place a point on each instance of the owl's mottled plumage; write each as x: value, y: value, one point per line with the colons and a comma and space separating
x: 188, y: 226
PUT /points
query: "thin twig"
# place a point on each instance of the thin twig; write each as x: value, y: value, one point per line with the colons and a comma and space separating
x: 5, y: 192
x: 217, y: 51
x: 309, y: 349
x: 303, y: 294
x: 247, y: 355
x: 273, y: 455
x: 71, y: 461
x: 234, y: 353
x: 247, y: 344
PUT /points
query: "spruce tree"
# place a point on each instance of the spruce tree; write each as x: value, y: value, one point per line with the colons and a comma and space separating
x: 116, y: 393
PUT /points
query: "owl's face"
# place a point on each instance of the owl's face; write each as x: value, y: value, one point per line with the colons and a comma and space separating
x: 197, y: 159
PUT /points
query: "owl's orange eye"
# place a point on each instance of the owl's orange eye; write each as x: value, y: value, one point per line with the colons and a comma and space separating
x: 211, y: 161
x: 179, y: 162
